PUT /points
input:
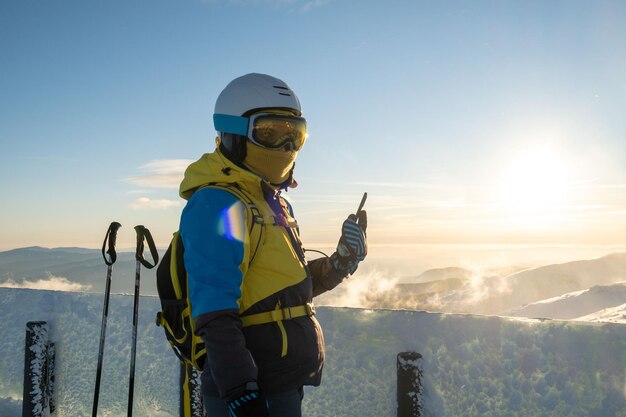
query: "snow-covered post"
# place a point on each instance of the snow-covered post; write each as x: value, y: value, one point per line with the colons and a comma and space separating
x: 410, y: 389
x: 190, y: 396
x: 50, y: 379
x: 35, y: 399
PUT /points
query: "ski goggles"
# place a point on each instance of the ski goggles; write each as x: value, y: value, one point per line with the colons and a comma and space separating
x: 268, y: 130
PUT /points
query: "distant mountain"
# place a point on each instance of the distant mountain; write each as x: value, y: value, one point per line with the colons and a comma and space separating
x: 443, y: 274
x: 492, y: 294
x: 459, y: 273
x: 431, y: 287
x: 453, y: 289
x: 552, y: 281
x: 587, y: 303
x: 47, y: 267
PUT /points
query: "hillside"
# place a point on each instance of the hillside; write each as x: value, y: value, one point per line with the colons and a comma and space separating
x: 576, y: 305
x: 608, y: 315
x: 440, y: 274
x: 75, y: 269
x: 474, y: 366
x: 478, y: 292
x: 555, y: 280
x: 451, y: 290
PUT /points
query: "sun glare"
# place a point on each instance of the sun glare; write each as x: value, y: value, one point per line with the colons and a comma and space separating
x: 535, y: 180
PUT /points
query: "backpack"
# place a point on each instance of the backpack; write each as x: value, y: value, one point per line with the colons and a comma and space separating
x: 175, y: 314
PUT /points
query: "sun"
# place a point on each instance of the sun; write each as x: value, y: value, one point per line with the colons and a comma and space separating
x: 534, y: 180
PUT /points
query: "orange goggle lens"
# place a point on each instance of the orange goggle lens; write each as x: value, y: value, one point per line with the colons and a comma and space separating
x: 276, y: 131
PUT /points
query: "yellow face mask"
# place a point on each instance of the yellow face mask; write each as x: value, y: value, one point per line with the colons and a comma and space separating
x: 274, y: 165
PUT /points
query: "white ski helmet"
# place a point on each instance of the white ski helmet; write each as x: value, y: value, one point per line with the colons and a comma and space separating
x: 247, y: 94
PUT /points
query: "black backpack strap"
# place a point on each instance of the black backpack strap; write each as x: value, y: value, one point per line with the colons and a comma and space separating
x: 284, y: 218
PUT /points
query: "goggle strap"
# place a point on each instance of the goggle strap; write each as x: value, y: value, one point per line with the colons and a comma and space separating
x: 236, y: 125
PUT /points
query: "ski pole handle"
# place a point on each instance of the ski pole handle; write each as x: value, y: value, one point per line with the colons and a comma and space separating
x: 110, y: 238
x: 144, y: 234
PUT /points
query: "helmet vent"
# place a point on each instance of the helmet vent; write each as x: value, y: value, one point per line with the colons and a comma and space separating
x: 280, y: 87
x: 285, y: 94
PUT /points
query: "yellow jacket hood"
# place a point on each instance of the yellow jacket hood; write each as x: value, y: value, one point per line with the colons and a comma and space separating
x: 214, y: 168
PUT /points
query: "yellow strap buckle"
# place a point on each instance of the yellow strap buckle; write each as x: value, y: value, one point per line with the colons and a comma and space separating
x: 278, y: 315
x: 310, y: 309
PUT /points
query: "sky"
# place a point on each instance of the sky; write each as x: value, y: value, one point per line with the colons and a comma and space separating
x: 488, y: 124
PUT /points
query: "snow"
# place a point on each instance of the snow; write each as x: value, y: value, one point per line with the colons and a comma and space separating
x: 609, y: 315
x: 472, y: 365
x: 594, y: 304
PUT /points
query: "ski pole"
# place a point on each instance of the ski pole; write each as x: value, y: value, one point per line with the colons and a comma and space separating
x: 110, y: 238
x: 142, y: 234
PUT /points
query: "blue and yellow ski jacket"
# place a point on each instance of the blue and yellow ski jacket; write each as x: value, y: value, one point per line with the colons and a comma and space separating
x: 227, y: 286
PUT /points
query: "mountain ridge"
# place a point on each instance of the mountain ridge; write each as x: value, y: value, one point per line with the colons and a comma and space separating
x: 452, y: 289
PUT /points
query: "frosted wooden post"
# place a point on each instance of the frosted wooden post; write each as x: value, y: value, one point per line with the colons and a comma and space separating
x: 35, y: 398
x: 190, y: 395
x: 50, y: 377
x: 410, y: 373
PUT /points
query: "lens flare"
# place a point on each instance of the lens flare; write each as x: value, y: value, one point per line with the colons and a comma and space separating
x: 233, y: 222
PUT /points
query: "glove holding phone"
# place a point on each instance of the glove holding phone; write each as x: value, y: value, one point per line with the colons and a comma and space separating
x: 352, y: 246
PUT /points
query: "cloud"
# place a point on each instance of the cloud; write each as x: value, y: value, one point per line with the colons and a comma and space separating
x: 53, y: 283
x: 146, y: 203
x: 160, y: 173
x: 360, y: 290
x: 140, y: 191
x: 312, y: 4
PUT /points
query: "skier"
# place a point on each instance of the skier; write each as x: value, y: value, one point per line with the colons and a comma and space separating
x: 251, y: 301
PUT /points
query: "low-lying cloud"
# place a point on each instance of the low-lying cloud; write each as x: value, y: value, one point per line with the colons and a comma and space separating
x: 160, y: 173
x: 52, y: 283
x: 466, y: 292
x: 360, y: 291
x: 147, y: 203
